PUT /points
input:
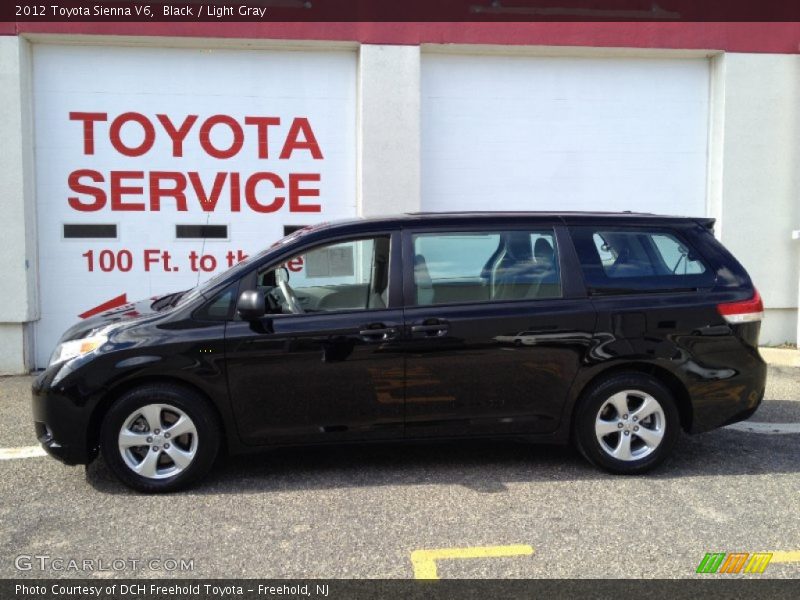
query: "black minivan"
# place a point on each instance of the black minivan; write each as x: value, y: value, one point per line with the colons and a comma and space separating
x: 613, y: 331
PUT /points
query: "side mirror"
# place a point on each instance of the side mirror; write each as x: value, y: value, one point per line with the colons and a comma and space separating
x: 252, y: 305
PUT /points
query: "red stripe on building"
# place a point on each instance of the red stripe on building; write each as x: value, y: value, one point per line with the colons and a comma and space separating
x: 116, y: 302
x: 779, y: 38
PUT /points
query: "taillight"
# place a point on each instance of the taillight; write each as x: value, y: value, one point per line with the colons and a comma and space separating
x: 745, y: 311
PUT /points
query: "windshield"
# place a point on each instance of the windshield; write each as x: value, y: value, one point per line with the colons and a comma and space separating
x: 178, y: 298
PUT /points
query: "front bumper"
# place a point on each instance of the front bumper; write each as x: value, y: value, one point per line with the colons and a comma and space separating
x: 62, y: 426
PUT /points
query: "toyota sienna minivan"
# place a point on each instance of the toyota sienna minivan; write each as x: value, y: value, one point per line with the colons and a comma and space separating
x: 611, y: 331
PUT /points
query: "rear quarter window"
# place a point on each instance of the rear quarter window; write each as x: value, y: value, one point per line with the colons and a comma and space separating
x: 627, y: 260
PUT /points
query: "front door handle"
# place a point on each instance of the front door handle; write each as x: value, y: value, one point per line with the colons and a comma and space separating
x: 378, y: 333
x: 433, y: 330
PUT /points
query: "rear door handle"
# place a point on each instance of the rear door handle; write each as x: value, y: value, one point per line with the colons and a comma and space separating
x: 378, y: 333
x: 434, y: 330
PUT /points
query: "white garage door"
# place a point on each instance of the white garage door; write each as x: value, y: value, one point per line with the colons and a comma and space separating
x: 141, y: 153
x: 521, y: 133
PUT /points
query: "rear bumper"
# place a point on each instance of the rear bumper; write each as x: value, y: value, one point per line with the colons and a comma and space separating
x: 61, y: 427
x: 726, y: 401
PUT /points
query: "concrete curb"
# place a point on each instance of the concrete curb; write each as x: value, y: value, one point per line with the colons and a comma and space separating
x: 781, y: 357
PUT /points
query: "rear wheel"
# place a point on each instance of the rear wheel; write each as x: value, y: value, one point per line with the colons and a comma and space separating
x: 160, y: 438
x: 627, y: 423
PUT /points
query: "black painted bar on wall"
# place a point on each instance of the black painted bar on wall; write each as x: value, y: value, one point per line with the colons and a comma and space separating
x: 219, y: 232
x: 94, y: 230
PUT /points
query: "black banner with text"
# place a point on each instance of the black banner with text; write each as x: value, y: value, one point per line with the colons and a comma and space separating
x: 253, y: 589
x: 408, y: 10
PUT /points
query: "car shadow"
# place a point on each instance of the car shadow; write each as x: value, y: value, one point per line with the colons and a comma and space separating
x: 484, y: 466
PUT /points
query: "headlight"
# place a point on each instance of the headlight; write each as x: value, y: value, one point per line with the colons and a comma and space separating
x: 74, y: 348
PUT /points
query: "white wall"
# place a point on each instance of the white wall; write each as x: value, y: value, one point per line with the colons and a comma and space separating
x: 389, y: 129
x: 760, y: 178
x: 18, y: 259
x: 778, y: 326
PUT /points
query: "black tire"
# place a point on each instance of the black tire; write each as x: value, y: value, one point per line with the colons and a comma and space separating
x: 596, y: 397
x: 203, y: 418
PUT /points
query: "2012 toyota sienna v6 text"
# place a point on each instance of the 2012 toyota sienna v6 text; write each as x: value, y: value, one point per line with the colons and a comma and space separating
x: 613, y: 331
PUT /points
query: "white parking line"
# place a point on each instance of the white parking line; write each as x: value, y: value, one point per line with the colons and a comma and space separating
x: 22, y: 452
x: 767, y: 428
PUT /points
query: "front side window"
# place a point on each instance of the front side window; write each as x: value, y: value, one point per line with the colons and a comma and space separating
x: 351, y: 275
x: 619, y: 260
x: 485, y: 266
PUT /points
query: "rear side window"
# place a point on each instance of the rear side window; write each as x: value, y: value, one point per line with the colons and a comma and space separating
x: 618, y: 260
x: 457, y: 267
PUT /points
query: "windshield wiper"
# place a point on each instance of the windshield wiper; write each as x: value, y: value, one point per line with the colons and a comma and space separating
x: 167, y: 301
x: 177, y: 298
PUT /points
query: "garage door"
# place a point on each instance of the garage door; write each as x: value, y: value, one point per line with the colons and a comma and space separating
x: 157, y: 168
x: 521, y: 133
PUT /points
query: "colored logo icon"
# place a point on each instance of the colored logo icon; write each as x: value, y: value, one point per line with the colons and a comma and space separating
x: 734, y: 562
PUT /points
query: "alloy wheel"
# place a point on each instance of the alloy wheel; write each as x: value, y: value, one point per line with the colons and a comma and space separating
x: 630, y: 425
x: 158, y: 441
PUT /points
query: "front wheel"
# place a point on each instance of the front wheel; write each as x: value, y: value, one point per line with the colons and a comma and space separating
x: 160, y: 438
x: 627, y: 423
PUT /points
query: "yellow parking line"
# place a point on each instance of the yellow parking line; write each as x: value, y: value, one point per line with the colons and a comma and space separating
x: 424, y: 561
x: 22, y: 452
x: 782, y: 557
